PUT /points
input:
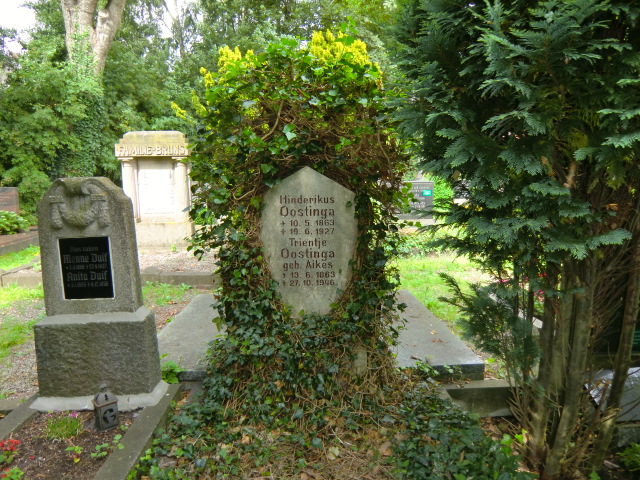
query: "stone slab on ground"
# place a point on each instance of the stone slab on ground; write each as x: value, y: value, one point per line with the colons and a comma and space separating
x: 424, y: 337
x: 18, y: 241
x: 186, y: 339
x: 487, y: 398
x: 17, y: 417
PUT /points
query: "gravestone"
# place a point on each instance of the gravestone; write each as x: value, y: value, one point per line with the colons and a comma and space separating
x: 96, y: 329
x: 155, y: 175
x: 422, y: 191
x: 308, y: 232
x: 9, y: 199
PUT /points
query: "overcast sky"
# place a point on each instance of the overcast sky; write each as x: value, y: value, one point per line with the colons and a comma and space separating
x: 12, y: 15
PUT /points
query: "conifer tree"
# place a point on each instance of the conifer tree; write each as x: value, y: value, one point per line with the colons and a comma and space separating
x: 531, y: 108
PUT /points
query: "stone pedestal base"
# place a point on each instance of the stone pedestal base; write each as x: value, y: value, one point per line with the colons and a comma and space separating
x: 163, y: 234
x: 75, y: 353
x: 126, y: 403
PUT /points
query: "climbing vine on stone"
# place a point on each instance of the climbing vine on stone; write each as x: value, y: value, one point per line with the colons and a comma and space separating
x: 264, y: 116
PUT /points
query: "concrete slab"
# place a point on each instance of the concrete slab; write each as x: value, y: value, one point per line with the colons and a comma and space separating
x: 16, y: 418
x: 194, y: 279
x: 126, y: 402
x: 487, y: 398
x: 426, y: 338
x: 186, y: 339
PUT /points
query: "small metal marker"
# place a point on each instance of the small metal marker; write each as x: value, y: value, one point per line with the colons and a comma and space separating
x: 105, y: 409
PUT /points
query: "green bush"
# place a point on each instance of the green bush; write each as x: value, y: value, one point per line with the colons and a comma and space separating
x: 11, y: 223
x: 630, y: 456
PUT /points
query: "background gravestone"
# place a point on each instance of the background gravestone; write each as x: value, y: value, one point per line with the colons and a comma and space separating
x: 155, y: 175
x: 9, y: 199
x: 308, y: 231
x: 422, y: 191
x: 96, y: 329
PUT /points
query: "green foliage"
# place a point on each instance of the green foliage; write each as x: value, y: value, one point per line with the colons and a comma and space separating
x: 11, y: 222
x: 12, y: 474
x: 104, y: 449
x: 516, y: 105
x: 74, y: 452
x: 170, y: 370
x: 441, y: 442
x: 496, y: 327
x: 264, y: 117
x: 630, y: 457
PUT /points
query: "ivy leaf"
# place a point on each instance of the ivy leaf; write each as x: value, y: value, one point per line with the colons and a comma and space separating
x: 288, y: 131
x: 266, y: 168
x: 255, y: 202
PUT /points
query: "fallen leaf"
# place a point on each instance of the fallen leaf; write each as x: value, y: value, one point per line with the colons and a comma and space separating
x: 385, y: 449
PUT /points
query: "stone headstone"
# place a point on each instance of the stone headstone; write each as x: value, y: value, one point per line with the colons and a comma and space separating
x: 9, y: 199
x: 96, y: 330
x: 422, y: 191
x: 155, y: 175
x: 308, y: 232
x: 630, y: 402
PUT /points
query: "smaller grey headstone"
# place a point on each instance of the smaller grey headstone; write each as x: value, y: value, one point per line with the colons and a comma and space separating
x: 422, y: 191
x: 96, y: 330
x: 88, y: 248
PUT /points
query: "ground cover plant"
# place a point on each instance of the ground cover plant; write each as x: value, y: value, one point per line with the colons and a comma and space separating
x: 11, y: 222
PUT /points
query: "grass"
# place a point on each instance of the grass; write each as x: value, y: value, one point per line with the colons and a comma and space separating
x: 16, y: 259
x: 160, y: 294
x: 14, y: 300
x: 421, y: 276
x: 418, y: 274
x: 14, y: 329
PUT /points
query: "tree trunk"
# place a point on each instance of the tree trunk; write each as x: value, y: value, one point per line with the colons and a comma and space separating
x: 80, y: 19
x: 582, y: 276
x: 623, y: 357
x: 541, y: 396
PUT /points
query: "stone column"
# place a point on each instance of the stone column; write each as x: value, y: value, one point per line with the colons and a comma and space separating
x: 130, y: 182
x: 183, y: 197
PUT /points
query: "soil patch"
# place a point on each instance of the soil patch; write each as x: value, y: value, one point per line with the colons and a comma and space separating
x: 79, y: 457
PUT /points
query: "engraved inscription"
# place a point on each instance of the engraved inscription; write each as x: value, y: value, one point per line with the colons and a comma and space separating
x: 309, y: 239
x: 86, y: 267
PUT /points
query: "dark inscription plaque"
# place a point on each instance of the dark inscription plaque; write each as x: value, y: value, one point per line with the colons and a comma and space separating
x: 86, y: 267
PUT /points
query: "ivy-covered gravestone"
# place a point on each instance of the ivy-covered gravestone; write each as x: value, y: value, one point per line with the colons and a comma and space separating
x: 299, y: 176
